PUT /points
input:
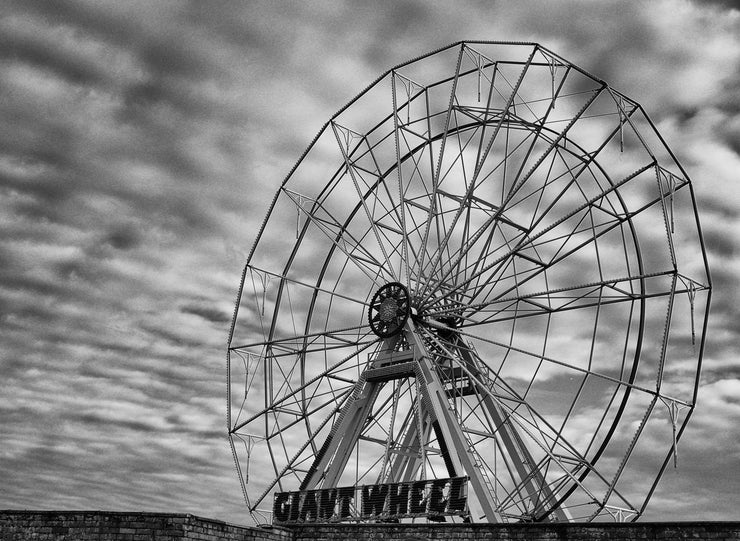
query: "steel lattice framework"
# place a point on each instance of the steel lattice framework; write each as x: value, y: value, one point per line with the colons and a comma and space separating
x: 489, y: 263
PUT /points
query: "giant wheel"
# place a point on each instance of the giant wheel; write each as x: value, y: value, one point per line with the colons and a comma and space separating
x: 488, y: 264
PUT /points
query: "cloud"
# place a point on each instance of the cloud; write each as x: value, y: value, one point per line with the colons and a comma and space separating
x: 141, y: 145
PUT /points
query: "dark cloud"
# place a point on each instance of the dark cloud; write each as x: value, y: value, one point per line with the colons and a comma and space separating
x: 34, y: 139
x: 719, y: 242
x: 723, y: 214
x: 144, y: 102
x: 95, y: 420
x: 732, y: 5
x: 169, y: 56
x: 47, y: 56
x: 208, y: 313
x: 125, y: 237
x: 92, y: 17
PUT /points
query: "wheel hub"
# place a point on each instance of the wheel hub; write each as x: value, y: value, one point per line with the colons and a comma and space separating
x: 389, y: 309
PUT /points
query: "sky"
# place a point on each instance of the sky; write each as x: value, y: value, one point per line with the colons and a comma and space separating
x: 141, y: 145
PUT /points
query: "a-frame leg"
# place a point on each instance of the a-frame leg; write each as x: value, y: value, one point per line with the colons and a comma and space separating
x: 460, y: 451
x: 533, y: 480
x: 333, y: 455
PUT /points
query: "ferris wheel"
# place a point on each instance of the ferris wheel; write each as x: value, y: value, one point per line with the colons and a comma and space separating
x: 488, y: 264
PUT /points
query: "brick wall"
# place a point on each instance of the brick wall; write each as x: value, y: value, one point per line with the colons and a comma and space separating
x: 112, y: 526
x: 696, y: 531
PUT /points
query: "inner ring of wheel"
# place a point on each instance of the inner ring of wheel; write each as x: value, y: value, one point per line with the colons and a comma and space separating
x: 389, y: 310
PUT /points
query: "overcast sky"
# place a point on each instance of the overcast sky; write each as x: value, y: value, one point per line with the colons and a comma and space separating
x: 140, y: 145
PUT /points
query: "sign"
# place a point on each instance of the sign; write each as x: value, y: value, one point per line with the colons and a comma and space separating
x: 432, y: 498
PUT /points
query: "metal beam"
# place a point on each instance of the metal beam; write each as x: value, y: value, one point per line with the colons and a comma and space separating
x: 461, y: 455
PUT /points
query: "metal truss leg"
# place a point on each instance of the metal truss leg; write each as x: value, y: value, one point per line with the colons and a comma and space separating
x: 334, y: 454
x: 533, y: 480
x: 460, y: 453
